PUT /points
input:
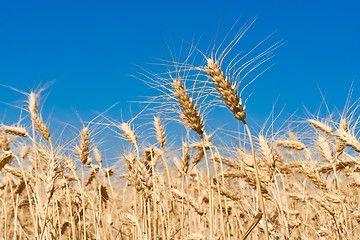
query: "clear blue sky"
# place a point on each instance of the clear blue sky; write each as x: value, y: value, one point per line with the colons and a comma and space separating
x: 90, y: 47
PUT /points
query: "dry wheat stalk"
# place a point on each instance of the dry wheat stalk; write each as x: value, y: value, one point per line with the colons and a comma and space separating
x: 20, y: 187
x: 129, y: 133
x: 17, y: 131
x: 36, y: 119
x: 13, y: 170
x: 227, y: 92
x: 289, y: 167
x: 197, y: 157
x: 53, y: 172
x: 130, y: 162
x: 340, y: 144
x: 183, y: 166
x: 25, y: 150
x: 104, y: 193
x: 321, y: 126
x: 266, y: 151
x: 94, y: 170
x: 293, y: 144
x: 97, y: 155
x: 229, y: 193
x: 206, y: 143
x: 332, y: 198
x: 277, y: 155
x: 190, y: 114
x: 152, y: 155
x: 4, y: 142
x: 314, y: 177
x: 68, y: 162
x: 227, y: 161
x: 325, y: 149
x: 185, y: 160
x: 6, y: 158
x: 160, y: 133
x: 348, y: 138
x: 340, y: 165
x: 84, y: 145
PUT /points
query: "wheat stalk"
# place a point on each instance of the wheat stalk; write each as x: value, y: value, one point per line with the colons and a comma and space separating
x: 6, y: 158
x: 4, y: 142
x: 190, y: 114
x: 160, y: 133
x: 97, y: 155
x: 293, y: 144
x: 84, y: 145
x: 348, y: 139
x: 321, y: 126
x: 325, y: 149
x: 36, y: 119
x: 17, y: 131
x: 340, y: 144
x: 227, y: 92
x: 129, y: 133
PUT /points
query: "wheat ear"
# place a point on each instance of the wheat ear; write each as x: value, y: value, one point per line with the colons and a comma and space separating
x: 4, y: 142
x: 16, y: 131
x: 227, y: 92
x: 160, y: 133
x: 190, y: 114
x: 340, y: 144
x: 129, y: 134
x: 160, y: 136
x: 6, y: 158
x: 36, y: 119
x: 321, y: 126
x: 84, y: 145
x: 233, y: 101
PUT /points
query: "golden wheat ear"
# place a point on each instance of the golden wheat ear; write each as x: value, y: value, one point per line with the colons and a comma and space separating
x: 35, y: 117
x: 190, y: 114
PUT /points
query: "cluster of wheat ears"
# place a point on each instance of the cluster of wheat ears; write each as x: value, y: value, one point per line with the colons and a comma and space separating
x: 283, y: 185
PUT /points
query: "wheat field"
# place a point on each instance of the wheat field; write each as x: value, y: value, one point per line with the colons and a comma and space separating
x: 293, y: 183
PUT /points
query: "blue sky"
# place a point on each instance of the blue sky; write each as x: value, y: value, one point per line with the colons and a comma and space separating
x: 90, y: 49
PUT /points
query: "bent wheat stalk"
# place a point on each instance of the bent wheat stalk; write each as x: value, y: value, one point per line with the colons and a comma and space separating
x: 233, y: 101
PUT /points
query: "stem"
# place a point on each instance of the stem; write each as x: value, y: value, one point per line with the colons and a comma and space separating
x: 258, y: 184
x: 210, y: 189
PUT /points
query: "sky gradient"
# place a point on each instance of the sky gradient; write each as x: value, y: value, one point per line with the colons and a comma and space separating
x: 90, y: 49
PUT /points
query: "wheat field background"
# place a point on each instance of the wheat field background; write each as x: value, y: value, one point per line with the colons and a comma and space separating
x: 194, y: 161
